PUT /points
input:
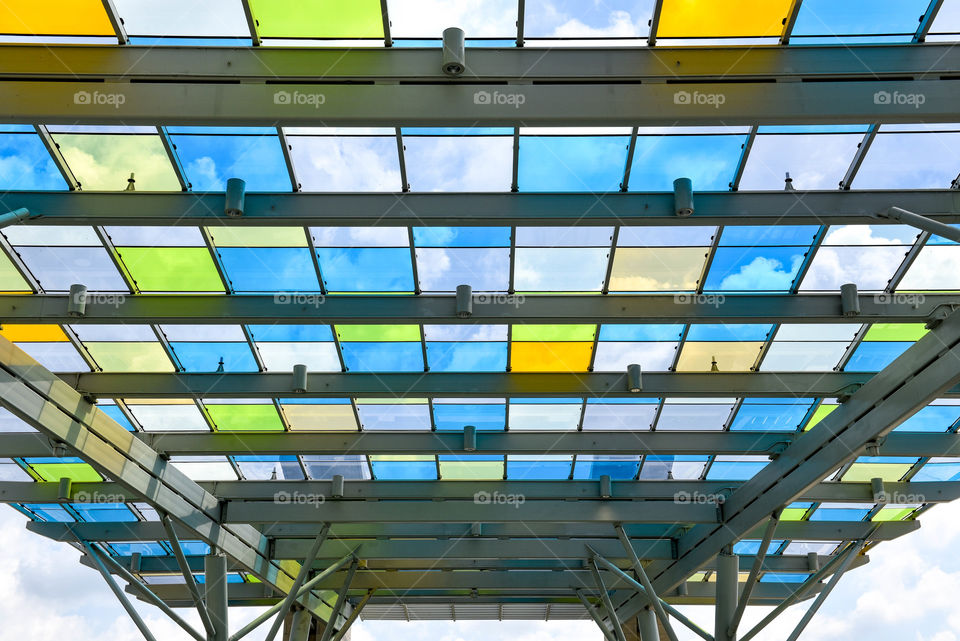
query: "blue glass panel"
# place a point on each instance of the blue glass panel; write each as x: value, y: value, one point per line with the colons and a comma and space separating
x: 772, y: 577
x: 749, y: 547
x: 538, y: 470
x: 195, y: 548
x: 734, y: 470
x: 291, y: 333
x: 854, y: 17
x: 104, y: 512
x: 143, y: 549
x: 838, y: 514
x: 59, y: 267
x: 932, y: 418
x: 588, y: 467
x: 751, y: 236
x: 50, y: 512
x: 769, y: 417
x: 568, y: 163
x: 874, y: 356
x: 114, y: 412
x: 938, y: 472
x: 25, y: 164
x: 640, y: 332
x: 456, y: 131
x: 366, y: 269
x: 232, y: 577
x: 461, y: 236
x: 728, y: 332
x: 467, y: 357
x: 269, y: 269
x: 205, y: 357
x: 382, y: 357
x: 405, y: 470
x: 754, y: 269
x: 443, y: 269
x: 710, y: 161
x: 483, y: 417
x: 394, y: 417
x: 209, y: 161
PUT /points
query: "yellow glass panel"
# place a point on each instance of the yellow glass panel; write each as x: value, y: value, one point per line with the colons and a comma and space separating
x: 320, y: 417
x: 471, y: 470
x: 730, y: 356
x: 820, y: 413
x: 258, y: 236
x: 55, y: 17
x: 104, y: 162
x: 10, y: 278
x: 697, y: 576
x: 892, y: 514
x: 33, y: 333
x: 722, y: 18
x: 550, y: 357
x: 792, y: 514
x: 863, y: 472
x: 130, y: 357
x: 646, y: 269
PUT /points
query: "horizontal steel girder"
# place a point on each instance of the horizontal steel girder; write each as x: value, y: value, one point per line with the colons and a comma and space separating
x: 528, y: 64
x: 495, y: 385
x: 439, y: 209
x: 682, y: 491
x: 916, y: 444
x: 315, y: 308
x: 440, y: 105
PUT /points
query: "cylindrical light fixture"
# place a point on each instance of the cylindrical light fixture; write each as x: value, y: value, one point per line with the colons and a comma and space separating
x: 634, y: 378
x: 299, y: 378
x: 683, y: 197
x: 454, y: 52
x: 236, y: 191
x: 464, y: 301
x: 77, y: 301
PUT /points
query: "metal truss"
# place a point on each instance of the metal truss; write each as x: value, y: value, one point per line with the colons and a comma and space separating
x: 729, y: 208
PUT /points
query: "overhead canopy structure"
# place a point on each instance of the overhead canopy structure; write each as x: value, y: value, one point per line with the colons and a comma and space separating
x: 291, y: 317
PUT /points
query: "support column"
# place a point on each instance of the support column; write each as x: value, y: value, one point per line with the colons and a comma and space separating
x: 647, y: 622
x: 299, y: 626
x: 215, y: 590
x: 728, y: 568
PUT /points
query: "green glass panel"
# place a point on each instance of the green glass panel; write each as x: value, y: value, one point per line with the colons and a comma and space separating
x: 130, y: 357
x: 896, y: 332
x: 792, y: 514
x: 892, y: 514
x: 471, y: 470
x: 863, y: 472
x: 104, y: 162
x: 318, y: 18
x: 78, y: 472
x: 10, y: 278
x: 553, y: 332
x: 245, y: 417
x: 819, y: 415
x: 378, y: 333
x: 258, y: 236
x: 172, y: 269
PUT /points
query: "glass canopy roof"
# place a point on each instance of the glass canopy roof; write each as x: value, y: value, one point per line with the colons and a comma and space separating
x: 486, y: 22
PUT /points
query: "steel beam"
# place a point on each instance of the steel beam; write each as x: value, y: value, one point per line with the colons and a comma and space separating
x: 293, y: 540
x: 121, y: 596
x: 727, y: 208
x: 904, y: 387
x: 454, y: 385
x: 36, y: 396
x: 215, y: 595
x: 592, y: 611
x: 507, y: 65
x: 916, y: 444
x: 316, y: 308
